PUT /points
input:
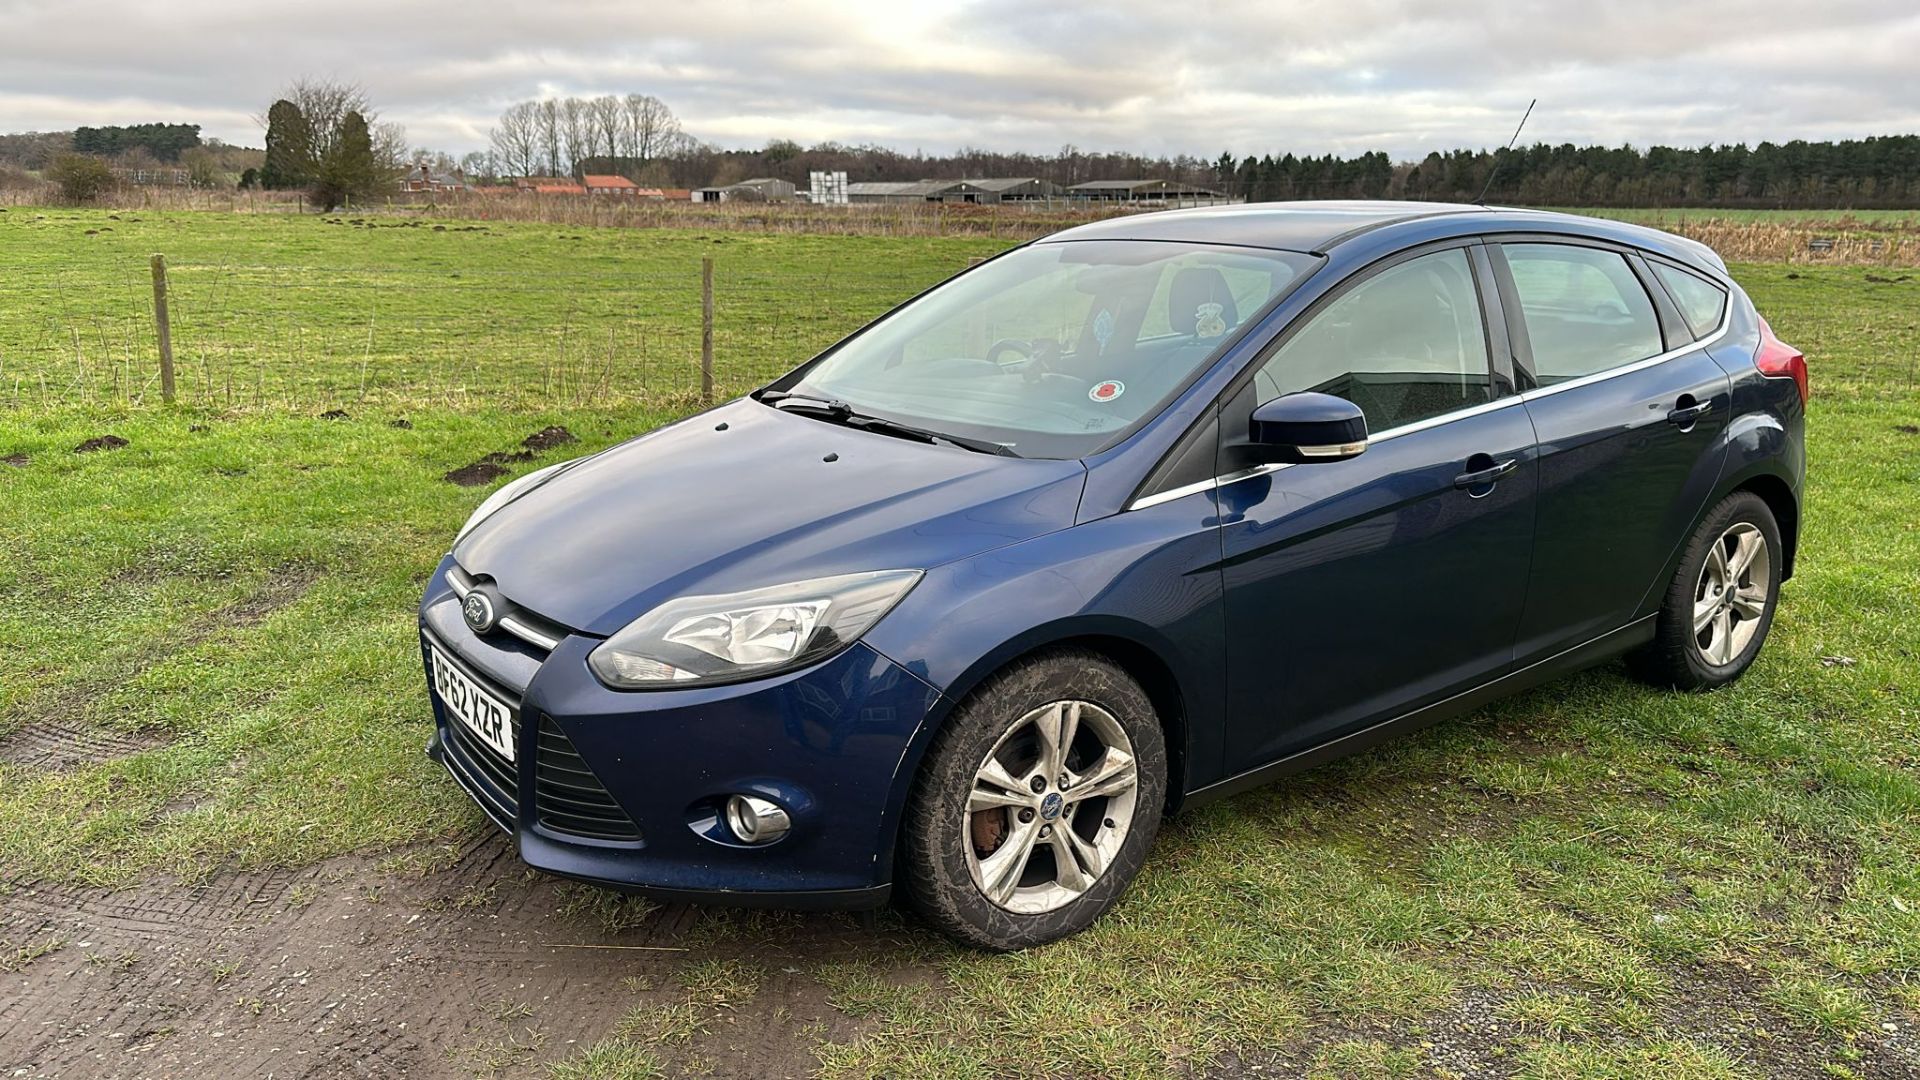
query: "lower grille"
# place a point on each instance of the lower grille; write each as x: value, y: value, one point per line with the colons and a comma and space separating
x: 491, y: 778
x: 568, y: 797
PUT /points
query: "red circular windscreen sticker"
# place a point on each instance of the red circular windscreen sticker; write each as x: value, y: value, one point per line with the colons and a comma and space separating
x: 1107, y: 390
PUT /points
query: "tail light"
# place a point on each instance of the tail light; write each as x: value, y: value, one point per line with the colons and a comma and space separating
x: 1780, y: 360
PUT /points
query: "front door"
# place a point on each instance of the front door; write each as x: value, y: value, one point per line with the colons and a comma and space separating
x: 1358, y: 590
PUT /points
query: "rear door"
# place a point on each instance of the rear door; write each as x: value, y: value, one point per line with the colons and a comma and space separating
x: 1357, y: 590
x: 1629, y: 410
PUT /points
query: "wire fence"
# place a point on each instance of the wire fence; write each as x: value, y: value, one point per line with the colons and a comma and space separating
x: 250, y: 335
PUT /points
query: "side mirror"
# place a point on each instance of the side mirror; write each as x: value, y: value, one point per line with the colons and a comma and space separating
x: 1305, y: 427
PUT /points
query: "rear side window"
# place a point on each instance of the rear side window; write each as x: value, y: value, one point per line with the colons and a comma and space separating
x: 1585, y: 310
x: 1702, y: 303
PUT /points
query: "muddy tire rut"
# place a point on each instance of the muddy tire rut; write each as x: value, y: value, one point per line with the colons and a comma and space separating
x: 342, y: 969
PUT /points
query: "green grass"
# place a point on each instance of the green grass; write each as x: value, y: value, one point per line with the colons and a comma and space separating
x: 313, y: 311
x: 239, y: 591
x: 1596, y: 879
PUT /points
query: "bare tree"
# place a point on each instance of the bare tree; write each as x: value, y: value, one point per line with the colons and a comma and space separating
x: 516, y: 138
x: 550, y: 141
x: 390, y: 153
x: 652, y: 129
x: 576, y: 131
x: 325, y: 103
x: 606, y: 123
x: 476, y: 165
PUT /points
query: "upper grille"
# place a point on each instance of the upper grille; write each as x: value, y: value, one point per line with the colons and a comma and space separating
x: 542, y: 634
x: 568, y: 797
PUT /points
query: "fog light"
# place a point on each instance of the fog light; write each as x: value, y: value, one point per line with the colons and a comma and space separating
x: 755, y: 820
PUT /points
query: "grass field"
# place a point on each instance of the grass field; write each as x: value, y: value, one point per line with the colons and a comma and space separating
x: 326, y: 311
x: 207, y: 663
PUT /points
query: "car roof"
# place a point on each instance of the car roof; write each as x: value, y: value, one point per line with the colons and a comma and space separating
x: 1318, y: 227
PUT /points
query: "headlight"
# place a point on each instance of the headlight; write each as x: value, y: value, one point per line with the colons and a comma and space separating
x: 508, y: 492
x: 710, y: 639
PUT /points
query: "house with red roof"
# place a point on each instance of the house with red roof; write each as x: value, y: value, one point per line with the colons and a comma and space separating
x: 602, y: 184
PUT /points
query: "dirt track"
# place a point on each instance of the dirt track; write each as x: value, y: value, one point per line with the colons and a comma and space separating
x: 341, y: 970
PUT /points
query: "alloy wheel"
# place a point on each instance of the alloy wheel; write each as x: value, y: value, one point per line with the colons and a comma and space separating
x: 1731, y: 597
x: 1050, y: 807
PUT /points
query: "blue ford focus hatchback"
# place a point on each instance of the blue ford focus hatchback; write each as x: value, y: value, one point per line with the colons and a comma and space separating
x: 1131, y: 517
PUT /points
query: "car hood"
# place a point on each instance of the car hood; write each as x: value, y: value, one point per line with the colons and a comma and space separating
x: 745, y: 496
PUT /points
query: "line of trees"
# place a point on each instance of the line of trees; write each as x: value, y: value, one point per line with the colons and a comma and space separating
x: 1876, y: 172
x: 322, y: 137
x: 575, y: 136
x: 637, y: 136
x: 164, y: 142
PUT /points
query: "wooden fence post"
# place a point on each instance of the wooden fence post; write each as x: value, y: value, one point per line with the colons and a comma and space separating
x: 706, y: 331
x: 163, y: 327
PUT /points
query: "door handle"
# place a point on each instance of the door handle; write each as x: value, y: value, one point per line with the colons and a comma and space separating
x: 1487, y: 476
x: 1688, y: 410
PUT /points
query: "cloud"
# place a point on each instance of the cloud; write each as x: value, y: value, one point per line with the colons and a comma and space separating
x: 1199, y: 77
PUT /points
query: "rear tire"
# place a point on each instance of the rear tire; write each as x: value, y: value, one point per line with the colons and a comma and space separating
x: 1011, y: 841
x: 1720, y: 604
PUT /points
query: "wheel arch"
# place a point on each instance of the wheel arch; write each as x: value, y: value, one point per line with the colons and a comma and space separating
x: 1128, y: 647
x: 1780, y: 499
x: 1123, y: 643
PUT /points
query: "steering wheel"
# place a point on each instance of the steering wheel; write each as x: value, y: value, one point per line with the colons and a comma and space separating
x: 1037, y: 352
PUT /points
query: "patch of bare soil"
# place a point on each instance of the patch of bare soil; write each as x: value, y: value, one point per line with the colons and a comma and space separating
x: 481, y: 968
x: 61, y: 742
x: 494, y: 466
x: 18, y: 461
x: 547, y: 438
x: 100, y: 442
x: 486, y: 470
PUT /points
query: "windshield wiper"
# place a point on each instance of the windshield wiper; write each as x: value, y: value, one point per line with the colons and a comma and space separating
x: 840, y: 412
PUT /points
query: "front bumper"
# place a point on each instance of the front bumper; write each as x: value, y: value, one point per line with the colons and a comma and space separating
x: 827, y: 743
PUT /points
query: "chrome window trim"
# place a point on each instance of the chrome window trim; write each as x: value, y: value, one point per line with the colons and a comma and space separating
x: 1538, y: 392
x: 462, y: 585
x: 1726, y: 325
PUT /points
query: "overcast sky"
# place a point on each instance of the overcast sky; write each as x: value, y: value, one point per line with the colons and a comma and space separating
x: 1160, y: 77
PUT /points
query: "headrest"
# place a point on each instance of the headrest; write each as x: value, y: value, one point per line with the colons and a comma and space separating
x: 1191, y: 289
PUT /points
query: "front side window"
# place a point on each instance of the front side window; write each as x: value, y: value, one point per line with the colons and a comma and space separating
x: 1585, y: 310
x: 1405, y: 344
x: 1701, y: 302
x: 1056, y: 349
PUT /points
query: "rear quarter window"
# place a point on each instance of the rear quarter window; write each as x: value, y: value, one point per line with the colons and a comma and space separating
x: 1702, y: 303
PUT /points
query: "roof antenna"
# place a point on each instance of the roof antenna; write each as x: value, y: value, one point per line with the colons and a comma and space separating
x: 1495, y: 171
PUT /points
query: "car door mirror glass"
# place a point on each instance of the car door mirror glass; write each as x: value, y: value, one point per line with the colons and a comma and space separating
x: 1305, y: 427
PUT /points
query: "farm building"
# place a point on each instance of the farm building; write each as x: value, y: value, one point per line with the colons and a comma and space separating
x: 1144, y: 191
x: 1014, y: 189
x: 1006, y: 189
x: 424, y: 178
x: 549, y: 185
x: 603, y: 184
x: 898, y: 191
x: 761, y: 189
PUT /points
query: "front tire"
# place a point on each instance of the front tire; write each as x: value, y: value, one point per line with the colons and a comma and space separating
x: 1720, y: 604
x: 1038, y: 802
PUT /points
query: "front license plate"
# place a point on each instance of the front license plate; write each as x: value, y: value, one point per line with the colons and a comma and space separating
x: 478, y: 711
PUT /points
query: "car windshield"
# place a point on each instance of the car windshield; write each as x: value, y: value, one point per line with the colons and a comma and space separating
x: 1058, y: 349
